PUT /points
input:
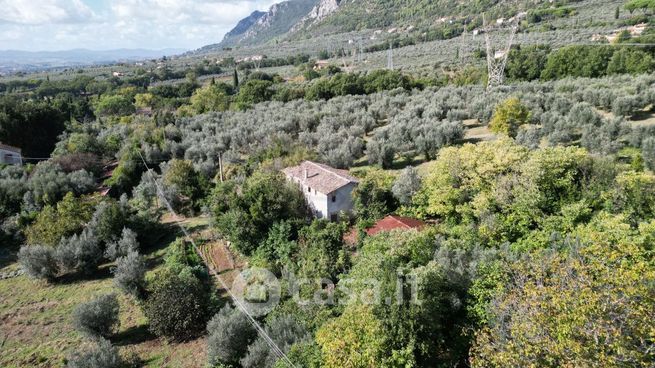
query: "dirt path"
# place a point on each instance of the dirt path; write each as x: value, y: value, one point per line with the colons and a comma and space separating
x: 219, y: 257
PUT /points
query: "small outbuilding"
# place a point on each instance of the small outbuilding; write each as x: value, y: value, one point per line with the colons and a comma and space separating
x: 393, y: 222
x: 10, y: 155
x: 389, y: 223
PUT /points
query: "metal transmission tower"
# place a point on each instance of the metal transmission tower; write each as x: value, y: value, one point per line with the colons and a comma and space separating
x: 390, y: 57
x: 461, y: 48
x: 360, y: 53
x: 497, y: 58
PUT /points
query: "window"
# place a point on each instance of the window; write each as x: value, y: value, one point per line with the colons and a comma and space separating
x: 334, y: 198
x: 309, y: 189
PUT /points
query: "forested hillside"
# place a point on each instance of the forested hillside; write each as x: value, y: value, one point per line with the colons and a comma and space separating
x: 151, y: 223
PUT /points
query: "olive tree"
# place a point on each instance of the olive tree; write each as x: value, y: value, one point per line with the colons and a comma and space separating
x: 38, y: 261
x: 126, y: 244
x: 230, y: 333
x: 81, y: 253
x: 102, y: 354
x: 129, y: 274
x: 98, y: 317
x: 406, y: 185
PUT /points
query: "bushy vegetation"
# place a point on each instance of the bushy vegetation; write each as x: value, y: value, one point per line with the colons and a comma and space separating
x: 98, y: 317
x: 230, y: 333
x: 284, y: 332
x: 38, y: 261
x: 129, y: 274
x: 179, y: 302
x: 103, y: 354
x: 264, y: 199
x: 79, y: 235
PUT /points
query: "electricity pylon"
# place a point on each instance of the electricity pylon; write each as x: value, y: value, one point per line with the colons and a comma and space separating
x: 390, y: 57
x: 497, y: 58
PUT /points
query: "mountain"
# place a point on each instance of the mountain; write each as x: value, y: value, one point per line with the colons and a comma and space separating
x: 15, y: 60
x: 260, y: 27
x: 319, y: 12
x: 243, y: 26
x: 297, y: 19
x: 352, y: 15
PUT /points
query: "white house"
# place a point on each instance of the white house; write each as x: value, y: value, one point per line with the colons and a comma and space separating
x: 327, y: 190
x: 10, y: 155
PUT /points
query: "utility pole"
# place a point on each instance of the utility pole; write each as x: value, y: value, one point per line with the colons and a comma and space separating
x: 462, y: 45
x: 390, y: 56
x: 220, y: 165
x: 360, y: 55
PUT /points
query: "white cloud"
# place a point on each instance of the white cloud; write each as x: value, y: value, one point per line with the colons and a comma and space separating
x: 153, y: 24
x: 186, y: 11
x: 36, y: 12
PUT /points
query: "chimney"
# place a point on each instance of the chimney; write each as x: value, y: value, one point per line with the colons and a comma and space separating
x: 306, y: 174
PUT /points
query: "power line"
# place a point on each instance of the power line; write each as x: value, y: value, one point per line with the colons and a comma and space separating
x: 235, y: 299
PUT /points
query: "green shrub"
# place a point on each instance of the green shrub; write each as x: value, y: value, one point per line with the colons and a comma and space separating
x: 129, y: 274
x: 98, y: 317
x: 38, y: 261
x: 80, y: 253
x: 102, y: 355
x: 230, y: 333
x: 177, y: 306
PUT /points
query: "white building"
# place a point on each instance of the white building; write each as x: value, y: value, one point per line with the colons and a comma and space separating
x: 10, y: 155
x: 327, y: 190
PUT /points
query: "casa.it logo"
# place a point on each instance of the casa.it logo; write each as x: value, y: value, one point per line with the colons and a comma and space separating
x: 258, y: 290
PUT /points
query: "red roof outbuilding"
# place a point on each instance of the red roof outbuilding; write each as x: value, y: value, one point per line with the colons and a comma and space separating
x: 389, y: 223
x: 393, y: 222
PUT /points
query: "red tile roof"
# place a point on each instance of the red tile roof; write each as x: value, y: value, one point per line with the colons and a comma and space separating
x: 395, y: 222
x: 323, y: 178
x: 389, y: 223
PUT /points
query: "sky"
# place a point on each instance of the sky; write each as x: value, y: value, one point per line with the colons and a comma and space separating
x: 49, y: 25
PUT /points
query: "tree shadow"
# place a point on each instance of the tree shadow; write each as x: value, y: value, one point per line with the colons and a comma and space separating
x: 103, y: 272
x: 641, y: 115
x: 132, y: 336
x: 8, y: 256
x: 472, y: 140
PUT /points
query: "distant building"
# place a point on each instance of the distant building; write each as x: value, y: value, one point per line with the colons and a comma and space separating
x: 117, y: 74
x: 10, y: 155
x: 499, y: 54
x: 145, y: 111
x: 328, y: 190
x: 321, y: 64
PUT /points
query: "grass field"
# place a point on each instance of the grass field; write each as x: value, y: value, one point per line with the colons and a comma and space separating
x: 35, y: 319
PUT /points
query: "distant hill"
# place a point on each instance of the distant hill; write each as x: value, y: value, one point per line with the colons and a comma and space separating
x: 14, y: 60
x: 260, y: 27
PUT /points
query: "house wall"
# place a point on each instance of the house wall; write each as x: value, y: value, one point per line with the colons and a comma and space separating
x: 318, y: 202
x: 322, y: 205
x: 344, y: 200
x: 10, y: 157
